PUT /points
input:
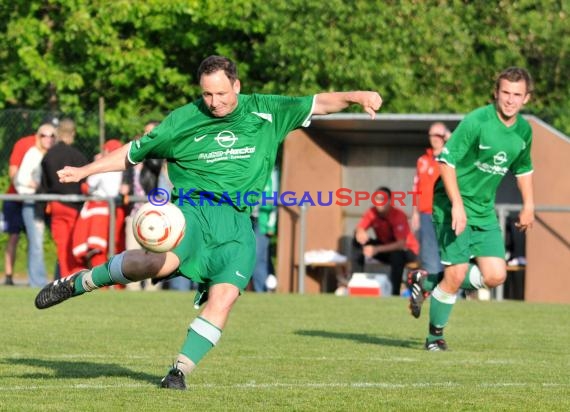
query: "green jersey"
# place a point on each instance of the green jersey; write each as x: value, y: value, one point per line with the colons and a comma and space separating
x: 482, y: 149
x: 227, y: 159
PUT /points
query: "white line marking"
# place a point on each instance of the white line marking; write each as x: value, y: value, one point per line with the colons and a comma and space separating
x: 278, y: 385
x: 284, y: 358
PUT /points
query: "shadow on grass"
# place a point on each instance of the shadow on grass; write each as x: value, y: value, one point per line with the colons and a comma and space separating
x: 80, y: 370
x: 362, y: 338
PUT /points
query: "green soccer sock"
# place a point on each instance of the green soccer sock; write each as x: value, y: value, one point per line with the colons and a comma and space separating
x: 93, y: 279
x: 441, y: 304
x: 202, y: 336
x: 108, y: 274
x: 473, y: 279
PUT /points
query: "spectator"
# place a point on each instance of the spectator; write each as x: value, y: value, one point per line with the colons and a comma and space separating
x: 27, y: 181
x: 180, y: 283
x: 139, y: 180
x: 63, y: 215
x: 264, y: 224
x: 394, y: 244
x: 12, y: 209
x: 427, y: 173
x: 515, y: 242
x: 90, y: 244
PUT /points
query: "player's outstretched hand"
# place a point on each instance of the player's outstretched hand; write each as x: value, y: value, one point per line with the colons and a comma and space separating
x: 70, y: 174
x: 371, y: 103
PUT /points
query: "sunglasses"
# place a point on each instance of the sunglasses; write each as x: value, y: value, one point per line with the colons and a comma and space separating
x: 47, y: 135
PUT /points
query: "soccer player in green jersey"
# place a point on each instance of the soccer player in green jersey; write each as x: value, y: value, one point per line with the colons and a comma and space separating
x: 224, y: 144
x: 488, y: 143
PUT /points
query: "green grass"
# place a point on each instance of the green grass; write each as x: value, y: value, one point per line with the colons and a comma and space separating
x: 108, y: 350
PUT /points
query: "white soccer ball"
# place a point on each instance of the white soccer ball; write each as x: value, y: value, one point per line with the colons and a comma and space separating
x: 159, y: 228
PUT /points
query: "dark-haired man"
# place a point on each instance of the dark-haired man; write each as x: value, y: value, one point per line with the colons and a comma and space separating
x: 489, y: 142
x: 224, y: 143
x: 394, y: 243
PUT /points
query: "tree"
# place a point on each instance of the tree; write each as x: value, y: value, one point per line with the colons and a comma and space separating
x: 141, y: 56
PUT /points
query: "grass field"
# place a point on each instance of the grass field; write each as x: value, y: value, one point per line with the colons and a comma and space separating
x: 108, y: 351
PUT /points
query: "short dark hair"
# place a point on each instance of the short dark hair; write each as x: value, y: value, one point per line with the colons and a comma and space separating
x: 515, y: 74
x: 385, y: 190
x: 213, y: 64
x: 154, y: 123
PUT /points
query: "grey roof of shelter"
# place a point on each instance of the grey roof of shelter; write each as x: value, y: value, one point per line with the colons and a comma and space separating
x: 386, y: 129
x: 345, y: 129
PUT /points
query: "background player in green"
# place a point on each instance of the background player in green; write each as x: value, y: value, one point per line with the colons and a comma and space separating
x: 224, y: 143
x: 487, y: 143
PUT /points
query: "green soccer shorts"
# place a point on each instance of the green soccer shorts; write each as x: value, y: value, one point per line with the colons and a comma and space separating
x: 474, y: 241
x: 218, y: 245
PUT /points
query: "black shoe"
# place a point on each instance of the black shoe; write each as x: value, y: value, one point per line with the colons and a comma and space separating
x: 9, y: 281
x: 201, y: 296
x: 417, y: 291
x: 173, y: 380
x: 438, y: 345
x: 57, y: 291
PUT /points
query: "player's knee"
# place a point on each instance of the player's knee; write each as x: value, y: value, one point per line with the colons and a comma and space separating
x: 494, y: 278
x: 453, y: 276
x: 222, y: 297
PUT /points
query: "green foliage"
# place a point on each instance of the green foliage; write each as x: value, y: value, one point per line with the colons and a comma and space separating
x: 108, y: 350
x: 4, y: 183
x: 141, y: 56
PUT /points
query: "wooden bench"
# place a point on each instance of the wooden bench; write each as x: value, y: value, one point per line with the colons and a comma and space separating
x: 327, y: 276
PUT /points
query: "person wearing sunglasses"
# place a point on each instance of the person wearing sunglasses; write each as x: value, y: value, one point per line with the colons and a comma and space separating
x: 427, y: 173
x: 26, y: 181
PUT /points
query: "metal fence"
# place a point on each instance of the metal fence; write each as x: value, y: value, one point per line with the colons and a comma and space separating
x: 112, y: 201
x: 503, y: 211
x: 17, y: 123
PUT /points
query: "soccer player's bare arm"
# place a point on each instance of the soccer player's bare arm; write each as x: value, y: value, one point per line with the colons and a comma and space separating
x: 526, y: 215
x: 334, y: 102
x: 458, y: 217
x: 114, y: 161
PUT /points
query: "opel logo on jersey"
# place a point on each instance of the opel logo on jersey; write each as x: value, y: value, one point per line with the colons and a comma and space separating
x: 226, y: 139
x: 500, y: 158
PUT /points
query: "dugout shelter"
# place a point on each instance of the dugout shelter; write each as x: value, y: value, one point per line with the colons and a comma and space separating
x: 354, y: 152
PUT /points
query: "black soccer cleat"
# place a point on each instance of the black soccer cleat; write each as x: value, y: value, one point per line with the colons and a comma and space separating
x: 201, y: 296
x: 173, y: 380
x: 436, y: 346
x: 57, y: 291
x: 417, y: 291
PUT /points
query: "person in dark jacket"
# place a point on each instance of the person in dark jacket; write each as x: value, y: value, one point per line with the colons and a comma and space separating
x: 139, y: 180
x: 63, y: 214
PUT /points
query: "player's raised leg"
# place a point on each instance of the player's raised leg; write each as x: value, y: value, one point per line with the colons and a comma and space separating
x: 422, y: 283
x: 126, y: 267
x: 418, y: 291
